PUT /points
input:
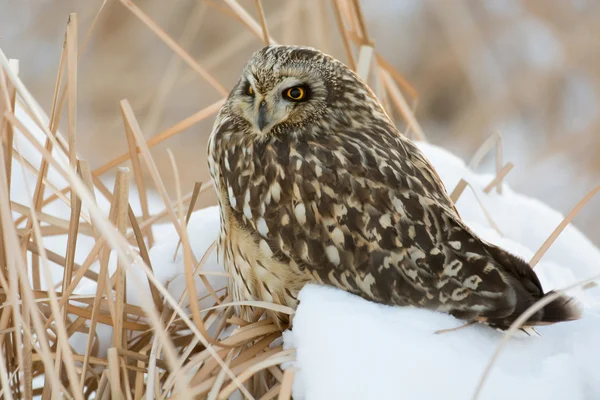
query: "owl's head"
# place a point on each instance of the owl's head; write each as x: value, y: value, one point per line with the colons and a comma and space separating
x: 289, y: 87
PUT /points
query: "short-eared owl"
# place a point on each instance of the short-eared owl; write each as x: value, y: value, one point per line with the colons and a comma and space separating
x: 316, y: 184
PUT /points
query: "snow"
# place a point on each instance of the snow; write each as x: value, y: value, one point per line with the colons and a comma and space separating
x: 350, y: 348
x: 202, y: 230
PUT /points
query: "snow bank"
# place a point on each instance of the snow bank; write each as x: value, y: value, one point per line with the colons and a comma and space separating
x: 348, y: 348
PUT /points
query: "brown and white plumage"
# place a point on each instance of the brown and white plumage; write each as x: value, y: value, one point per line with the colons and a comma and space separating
x: 327, y: 190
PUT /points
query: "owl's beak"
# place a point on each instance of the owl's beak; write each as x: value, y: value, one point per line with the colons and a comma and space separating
x: 262, y: 114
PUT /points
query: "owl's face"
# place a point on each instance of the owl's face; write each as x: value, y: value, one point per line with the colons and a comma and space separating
x: 281, y: 89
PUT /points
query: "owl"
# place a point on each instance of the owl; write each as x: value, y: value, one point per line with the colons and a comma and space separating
x: 315, y: 184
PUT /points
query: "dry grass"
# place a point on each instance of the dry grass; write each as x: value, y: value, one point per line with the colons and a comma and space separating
x: 159, y: 349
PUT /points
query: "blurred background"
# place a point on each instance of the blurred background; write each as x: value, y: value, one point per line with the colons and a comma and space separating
x: 529, y: 69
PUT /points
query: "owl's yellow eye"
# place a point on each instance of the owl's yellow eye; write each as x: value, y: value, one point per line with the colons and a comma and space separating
x: 295, y: 93
x: 250, y: 90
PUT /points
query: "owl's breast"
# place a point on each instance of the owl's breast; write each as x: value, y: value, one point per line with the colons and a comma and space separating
x: 255, y: 273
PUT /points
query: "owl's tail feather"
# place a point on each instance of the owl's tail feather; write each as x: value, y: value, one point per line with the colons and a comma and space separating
x: 562, y: 309
x: 527, y: 291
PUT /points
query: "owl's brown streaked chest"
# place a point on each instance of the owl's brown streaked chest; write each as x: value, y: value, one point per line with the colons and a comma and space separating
x: 256, y: 274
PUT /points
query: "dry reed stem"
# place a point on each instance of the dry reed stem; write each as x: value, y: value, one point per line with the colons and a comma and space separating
x: 145, y: 256
x: 38, y: 193
x: 185, y: 56
x: 498, y: 178
x: 225, y: 10
x: 403, y: 107
x: 249, y: 22
x: 277, y: 359
x: 361, y: 23
x: 561, y: 227
x: 458, y: 191
x: 188, y: 256
x: 138, y: 176
x: 88, y: 34
x: 272, y: 393
x: 34, y: 171
x: 102, y: 278
x: 71, y: 243
x: 207, y: 382
x: 263, y: 22
x: 153, y: 141
x: 400, y: 80
x: 86, y: 175
x: 171, y: 74
x: 113, y: 374
x: 195, y: 193
x: 164, y: 212
x: 495, y: 139
x: 122, y: 195
x: 365, y: 60
x: 9, y: 100
x: 60, y: 260
x: 72, y: 29
x: 197, y: 327
x: 220, y: 379
x: 27, y: 295
x: 255, y: 303
x: 286, y: 384
x: 499, y: 163
x: 128, y: 112
x: 344, y: 33
x: 55, y: 222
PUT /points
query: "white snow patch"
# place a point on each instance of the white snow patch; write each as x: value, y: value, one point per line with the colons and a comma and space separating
x: 349, y: 348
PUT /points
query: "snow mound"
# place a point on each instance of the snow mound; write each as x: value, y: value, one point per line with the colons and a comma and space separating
x: 349, y: 348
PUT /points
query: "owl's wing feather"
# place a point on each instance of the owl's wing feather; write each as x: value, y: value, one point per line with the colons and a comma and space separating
x: 372, y: 217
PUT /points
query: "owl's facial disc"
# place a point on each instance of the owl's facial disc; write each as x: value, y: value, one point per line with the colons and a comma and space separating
x: 287, y: 98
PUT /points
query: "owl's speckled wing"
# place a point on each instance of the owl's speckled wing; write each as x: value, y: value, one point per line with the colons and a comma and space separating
x: 368, y: 216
